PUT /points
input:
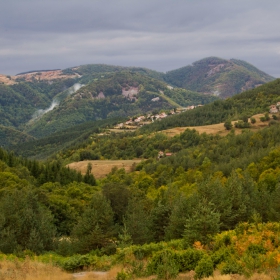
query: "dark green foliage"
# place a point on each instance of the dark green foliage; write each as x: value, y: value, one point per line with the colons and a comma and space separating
x: 208, y: 74
x: 95, y: 228
x: 25, y: 224
x: 118, y: 195
x: 249, y: 102
x: 228, y: 125
x: 171, y: 261
x: 204, y: 222
x: 242, y: 124
x: 138, y: 221
x: 43, y: 148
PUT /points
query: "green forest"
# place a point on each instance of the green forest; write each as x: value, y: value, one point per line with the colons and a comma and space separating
x: 212, y: 204
x: 189, y: 206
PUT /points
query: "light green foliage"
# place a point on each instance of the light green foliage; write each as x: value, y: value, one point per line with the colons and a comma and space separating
x: 204, y: 268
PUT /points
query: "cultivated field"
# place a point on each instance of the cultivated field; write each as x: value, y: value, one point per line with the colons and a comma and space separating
x: 100, y: 168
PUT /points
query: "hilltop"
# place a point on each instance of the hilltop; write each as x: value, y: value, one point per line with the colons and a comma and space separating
x: 221, y: 77
x: 40, y: 103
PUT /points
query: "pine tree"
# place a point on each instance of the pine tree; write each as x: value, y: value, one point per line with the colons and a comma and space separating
x: 95, y: 228
x: 138, y: 221
x: 204, y: 222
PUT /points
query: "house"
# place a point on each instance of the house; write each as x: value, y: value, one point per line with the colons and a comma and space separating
x: 161, y: 154
x: 273, y: 109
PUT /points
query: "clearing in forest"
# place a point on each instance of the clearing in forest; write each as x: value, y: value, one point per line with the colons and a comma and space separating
x: 100, y: 168
x: 217, y: 128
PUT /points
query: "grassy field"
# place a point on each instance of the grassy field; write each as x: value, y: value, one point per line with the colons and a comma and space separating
x: 31, y: 270
x: 217, y: 128
x: 100, y: 168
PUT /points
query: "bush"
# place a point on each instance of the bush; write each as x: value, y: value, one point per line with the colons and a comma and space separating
x: 168, y: 268
x: 231, y: 267
x: 168, y: 263
x: 228, y: 125
x: 205, y: 268
x: 253, y: 120
x: 122, y: 275
x: 189, y: 259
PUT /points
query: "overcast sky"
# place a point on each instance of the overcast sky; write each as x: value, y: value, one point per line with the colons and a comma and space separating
x: 158, y: 34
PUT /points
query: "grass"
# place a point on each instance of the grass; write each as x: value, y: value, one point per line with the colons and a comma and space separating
x: 100, y: 168
x: 111, y: 275
x: 30, y: 270
x: 217, y: 128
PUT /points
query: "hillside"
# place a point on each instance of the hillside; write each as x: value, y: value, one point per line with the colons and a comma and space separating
x: 250, y: 102
x: 119, y: 94
x: 41, y: 103
x: 198, y: 203
x: 10, y: 136
x: 221, y: 77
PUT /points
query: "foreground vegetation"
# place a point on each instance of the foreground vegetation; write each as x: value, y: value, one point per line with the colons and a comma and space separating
x: 212, y: 204
x: 248, y: 250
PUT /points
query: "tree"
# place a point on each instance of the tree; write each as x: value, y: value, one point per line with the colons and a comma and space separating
x: 118, y: 195
x: 138, y: 221
x: 25, y: 224
x: 228, y: 125
x: 95, y: 228
x: 89, y: 178
x: 204, y: 222
x: 253, y: 120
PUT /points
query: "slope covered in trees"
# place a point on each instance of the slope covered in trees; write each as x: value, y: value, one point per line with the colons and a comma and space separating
x: 248, y: 103
x: 218, y: 76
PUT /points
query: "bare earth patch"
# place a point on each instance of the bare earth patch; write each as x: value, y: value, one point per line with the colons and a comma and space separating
x: 7, y: 80
x: 100, y: 168
x: 47, y: 75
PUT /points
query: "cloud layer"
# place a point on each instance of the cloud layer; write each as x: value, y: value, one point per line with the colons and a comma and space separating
x: 158, y: 34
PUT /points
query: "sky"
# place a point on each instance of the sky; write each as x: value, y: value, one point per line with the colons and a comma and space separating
x: 162, y: 35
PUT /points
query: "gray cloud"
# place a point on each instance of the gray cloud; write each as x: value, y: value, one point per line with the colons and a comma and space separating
x: 158, y: 34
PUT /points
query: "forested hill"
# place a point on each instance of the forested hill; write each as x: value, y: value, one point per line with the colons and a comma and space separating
x: 218, y: 76
x: 249, y: 103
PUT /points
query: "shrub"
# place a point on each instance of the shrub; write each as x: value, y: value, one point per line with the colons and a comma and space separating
x: 231, y: 267
x: 164, y: 264
x: 122, y: 275
x: 204, y: 268
x: 253, y: 120
x: 189, y: 259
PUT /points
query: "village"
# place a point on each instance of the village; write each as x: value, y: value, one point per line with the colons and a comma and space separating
x: 139, y: 121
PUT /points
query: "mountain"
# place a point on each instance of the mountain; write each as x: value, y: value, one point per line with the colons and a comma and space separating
x: 221, y: 77
x: 43, y: 102
x: 114, y: 94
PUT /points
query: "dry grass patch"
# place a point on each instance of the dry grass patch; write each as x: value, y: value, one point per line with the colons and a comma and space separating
x: 30, y: 270
x: 218, y: 128
x: 100, y: 168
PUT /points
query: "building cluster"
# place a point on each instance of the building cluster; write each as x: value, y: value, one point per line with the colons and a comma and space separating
x: 273, y: 109
x: 139, y: 121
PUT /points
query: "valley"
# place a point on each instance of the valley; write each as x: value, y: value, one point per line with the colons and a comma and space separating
x: 139, y: 173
